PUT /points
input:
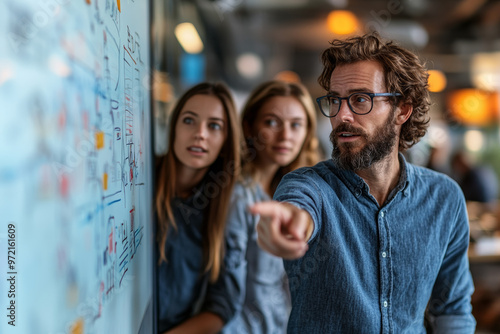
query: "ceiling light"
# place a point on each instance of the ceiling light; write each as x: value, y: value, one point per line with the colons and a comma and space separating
x: 188, y: 37
x: 249, y: 65
x: 287, y: 76
x: 472, y: 106
x: 473, y: 140
x: 437, y: 81
x: 342, y: 22
x: 485, y: 70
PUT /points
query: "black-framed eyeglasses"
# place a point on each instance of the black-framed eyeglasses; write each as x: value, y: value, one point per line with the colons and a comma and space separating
x: 359, y: 103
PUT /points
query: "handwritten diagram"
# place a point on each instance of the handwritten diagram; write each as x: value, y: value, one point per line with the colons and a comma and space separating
x: 76, y: 158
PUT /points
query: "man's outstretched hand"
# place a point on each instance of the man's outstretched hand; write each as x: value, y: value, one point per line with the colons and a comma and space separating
x: 283, y: 229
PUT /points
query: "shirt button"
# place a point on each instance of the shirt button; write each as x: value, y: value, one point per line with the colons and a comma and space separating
x: 384, y: 254
x: 385, y: 304
x: 382, y: 214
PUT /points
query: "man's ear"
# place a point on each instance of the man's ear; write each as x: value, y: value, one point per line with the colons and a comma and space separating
x: 403, y: 113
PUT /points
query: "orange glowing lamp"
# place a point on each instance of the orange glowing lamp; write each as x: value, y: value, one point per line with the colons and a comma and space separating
x: 342, y: 22
x: 287, y: 76
x: 437, y: 81
x: 473, y: 106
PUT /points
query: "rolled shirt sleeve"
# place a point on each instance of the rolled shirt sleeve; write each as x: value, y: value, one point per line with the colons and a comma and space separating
x: 307, y: 198
x: 449, y: 305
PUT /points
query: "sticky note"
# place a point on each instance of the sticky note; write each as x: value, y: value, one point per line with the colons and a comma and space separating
x: 99, y: 140
x: 105, y: 181
x: 77, y: 327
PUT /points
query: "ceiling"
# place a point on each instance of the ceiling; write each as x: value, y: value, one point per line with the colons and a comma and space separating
x: 291, y: 34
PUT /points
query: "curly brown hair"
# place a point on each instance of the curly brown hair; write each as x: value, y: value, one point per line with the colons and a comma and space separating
x: 404, y: 74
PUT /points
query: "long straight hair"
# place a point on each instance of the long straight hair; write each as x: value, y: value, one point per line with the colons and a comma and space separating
x: 308, y: 154
x: 223, y: 173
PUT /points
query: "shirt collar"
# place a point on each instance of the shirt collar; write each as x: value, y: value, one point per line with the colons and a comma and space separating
x: 196, y: 193
x: 357, y: 185
x: 403, y: 179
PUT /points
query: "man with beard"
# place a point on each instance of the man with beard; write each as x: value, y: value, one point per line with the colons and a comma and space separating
x: 372, y: 243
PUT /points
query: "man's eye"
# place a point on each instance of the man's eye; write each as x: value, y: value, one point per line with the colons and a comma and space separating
x: 334, y: 100
x: 360, y: 98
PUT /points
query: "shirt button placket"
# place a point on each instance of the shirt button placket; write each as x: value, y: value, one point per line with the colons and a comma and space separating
x: 385, y: 264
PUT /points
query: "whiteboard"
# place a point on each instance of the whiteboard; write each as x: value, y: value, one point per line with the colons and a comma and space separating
x: 75, y: 162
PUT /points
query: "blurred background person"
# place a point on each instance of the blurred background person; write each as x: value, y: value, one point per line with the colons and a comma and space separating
x: 279, y: 124
x: 193, y: 191
x: 478, y: 182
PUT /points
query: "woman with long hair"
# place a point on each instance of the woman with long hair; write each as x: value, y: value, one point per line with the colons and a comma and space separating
x: 279, y: 124
x: 195, y: 180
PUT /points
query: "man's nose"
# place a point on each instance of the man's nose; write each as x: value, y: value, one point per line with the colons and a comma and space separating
x: 345, y: 114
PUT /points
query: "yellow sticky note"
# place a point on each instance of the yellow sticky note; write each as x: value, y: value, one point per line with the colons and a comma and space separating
x: 105, y: 181
x: 99, y: 140
x: 77, y: 327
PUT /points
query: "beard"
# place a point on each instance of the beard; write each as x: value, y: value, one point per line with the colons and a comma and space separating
x: 379, y: 145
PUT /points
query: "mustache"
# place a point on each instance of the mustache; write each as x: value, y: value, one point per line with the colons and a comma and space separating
x: 346, y: 127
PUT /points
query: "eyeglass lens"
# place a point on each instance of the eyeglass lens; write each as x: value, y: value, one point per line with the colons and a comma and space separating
x: 359, y: 103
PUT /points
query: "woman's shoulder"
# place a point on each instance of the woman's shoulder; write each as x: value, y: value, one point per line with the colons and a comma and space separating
x: 248, y: 191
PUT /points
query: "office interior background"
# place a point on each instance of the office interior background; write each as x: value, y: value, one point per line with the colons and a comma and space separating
x: 76, y: 154
x: 244, y: 42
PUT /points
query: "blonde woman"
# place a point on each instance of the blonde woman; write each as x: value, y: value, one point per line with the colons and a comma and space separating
x: 194, y: 184
x: 279, y: 123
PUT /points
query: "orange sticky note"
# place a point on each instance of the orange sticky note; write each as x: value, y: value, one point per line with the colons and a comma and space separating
x: 77, y: 327
x: 99, y: 140
x: 105, y: 181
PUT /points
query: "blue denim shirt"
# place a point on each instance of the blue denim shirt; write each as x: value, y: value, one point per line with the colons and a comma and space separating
x: 181, y: 281
x: 372, y: 269
x: 251, y: 294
